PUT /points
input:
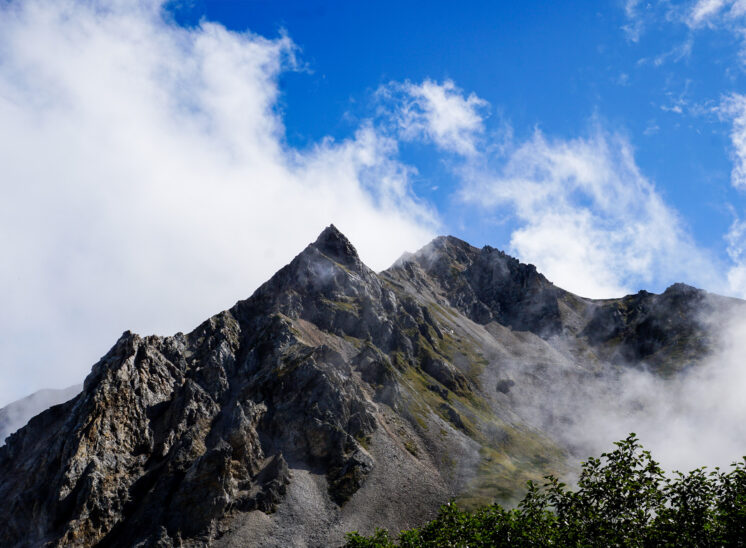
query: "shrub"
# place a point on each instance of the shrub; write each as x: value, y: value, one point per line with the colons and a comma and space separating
x: 622, y: 498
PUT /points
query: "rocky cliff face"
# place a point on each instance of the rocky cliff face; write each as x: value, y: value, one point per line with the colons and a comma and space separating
x: 332, y: 399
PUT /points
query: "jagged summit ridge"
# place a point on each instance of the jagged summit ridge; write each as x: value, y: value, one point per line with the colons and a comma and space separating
x: 322, y: 266
x: 488, y: 285
x: 331, y: 399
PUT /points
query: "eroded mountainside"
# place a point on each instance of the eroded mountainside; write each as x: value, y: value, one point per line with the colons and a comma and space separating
x: 333, y: 399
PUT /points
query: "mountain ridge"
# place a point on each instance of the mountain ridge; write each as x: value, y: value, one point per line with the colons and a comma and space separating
x: 307, y: 409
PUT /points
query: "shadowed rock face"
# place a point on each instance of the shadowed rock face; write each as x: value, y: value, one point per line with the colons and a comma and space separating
x: 332, y: 399
x: 488, y: 285
x: 668, y: 332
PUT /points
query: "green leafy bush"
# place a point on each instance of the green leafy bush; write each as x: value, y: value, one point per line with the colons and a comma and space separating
x: 622, y: 498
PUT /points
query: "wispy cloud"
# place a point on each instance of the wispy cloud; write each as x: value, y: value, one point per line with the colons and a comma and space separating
x: 583, y: 211
x: 736, y: 241
x: 692, y: 419
x: 724, y: 15
x: 733, y: 109
x: 675, y: 54
x: 441, y: 113
x: 146, y: 181
x: 635, y: 20
x: 587, y: 216
x: 580, y: 209
x: 651, y: 128
x: 704, y: 11
x: 714, y: 13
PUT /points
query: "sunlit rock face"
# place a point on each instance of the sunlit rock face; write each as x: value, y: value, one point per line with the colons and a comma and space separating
x: 333, y: 399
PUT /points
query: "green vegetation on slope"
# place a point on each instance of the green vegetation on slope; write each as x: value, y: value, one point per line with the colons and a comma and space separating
x: 622, y: 499
x: 509, y: 455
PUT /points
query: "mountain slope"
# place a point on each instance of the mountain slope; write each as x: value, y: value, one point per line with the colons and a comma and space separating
x: 334, y: 398
x: 17, y: 413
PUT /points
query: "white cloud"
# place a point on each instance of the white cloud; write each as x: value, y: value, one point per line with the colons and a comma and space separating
x: 636, y: 22
x: 675, y: 54
x: 440, y: 113
x: 690, y: 420
x: 735, y: 240
x: 651, y: 128
x: 704, y: 11
x: 588, y: 218
x: 146, y: 183
x: 715, y: 13
x: 738, y: 8
x: 721, y: 15
x: 675, y: 108
x: 733, y: 109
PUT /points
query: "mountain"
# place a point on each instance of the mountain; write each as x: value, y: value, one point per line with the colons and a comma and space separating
x: 16, y: 414
x: 333, y: 399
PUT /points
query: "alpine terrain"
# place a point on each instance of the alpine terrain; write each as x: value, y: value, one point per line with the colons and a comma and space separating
x: 335, y: 399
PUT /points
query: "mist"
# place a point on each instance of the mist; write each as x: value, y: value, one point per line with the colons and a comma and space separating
x: 16, y: 414
x: 147, y: 182
x: 689, y: 419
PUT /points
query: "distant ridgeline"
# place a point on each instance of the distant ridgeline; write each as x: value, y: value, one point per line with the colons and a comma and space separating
x: 338, y: 399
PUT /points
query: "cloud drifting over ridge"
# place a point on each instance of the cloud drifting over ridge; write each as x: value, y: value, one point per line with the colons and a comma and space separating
x: 588, y: 217
x: 147, y: 184
x: 691, y: 419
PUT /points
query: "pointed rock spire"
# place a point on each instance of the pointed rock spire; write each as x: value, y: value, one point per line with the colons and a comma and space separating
x: 332, y: 243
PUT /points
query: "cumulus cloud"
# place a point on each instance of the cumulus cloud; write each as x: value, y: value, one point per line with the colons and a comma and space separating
x: 587, y: 216
x: 437, y: 112
x: 146, y: 181
x: 580, y: 209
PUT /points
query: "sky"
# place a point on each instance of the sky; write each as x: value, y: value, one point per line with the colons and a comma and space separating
x: 159, y: 161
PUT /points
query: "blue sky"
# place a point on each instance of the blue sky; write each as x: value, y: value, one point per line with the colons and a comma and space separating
x: 161, y: 160
x: 646, y: 71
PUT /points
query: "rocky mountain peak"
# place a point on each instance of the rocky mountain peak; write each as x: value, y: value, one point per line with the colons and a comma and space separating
x: 335, y: 245
x: 682, y: 289
x: 446, y: 251
x: 488, y: 285
x: 326, y: 271
x: 331, y: 399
